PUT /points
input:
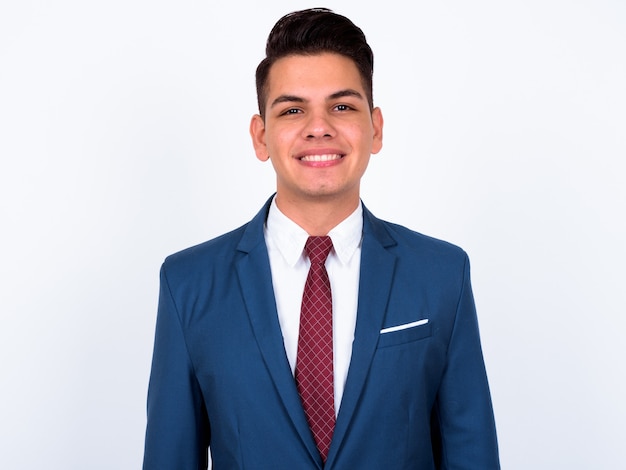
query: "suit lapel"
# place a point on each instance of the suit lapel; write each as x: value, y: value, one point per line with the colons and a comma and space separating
x: 255, y: 276
x: 376, y: 277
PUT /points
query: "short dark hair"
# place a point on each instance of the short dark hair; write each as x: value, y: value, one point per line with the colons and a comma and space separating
x: 311, y: 32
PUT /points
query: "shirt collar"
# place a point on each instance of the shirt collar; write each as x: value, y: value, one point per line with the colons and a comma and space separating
x: 290, y: 238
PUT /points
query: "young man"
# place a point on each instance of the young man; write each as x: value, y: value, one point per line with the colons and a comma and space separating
x: 383, y: 370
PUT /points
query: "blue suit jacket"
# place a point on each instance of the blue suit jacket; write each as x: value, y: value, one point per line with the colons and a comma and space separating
x: 417, y: 398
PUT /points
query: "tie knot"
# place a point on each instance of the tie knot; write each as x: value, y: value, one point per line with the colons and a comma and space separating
x: 317, y: 248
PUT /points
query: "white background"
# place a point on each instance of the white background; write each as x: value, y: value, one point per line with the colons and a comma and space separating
x: 124, y: 138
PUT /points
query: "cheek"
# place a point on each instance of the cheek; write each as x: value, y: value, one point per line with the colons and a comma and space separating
x: 279, y: 142
x: 361, y: 133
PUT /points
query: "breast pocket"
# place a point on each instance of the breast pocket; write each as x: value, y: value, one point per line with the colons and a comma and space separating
x: 397, y: 335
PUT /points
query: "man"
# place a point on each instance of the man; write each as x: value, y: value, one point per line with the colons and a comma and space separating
x: 393, y: 377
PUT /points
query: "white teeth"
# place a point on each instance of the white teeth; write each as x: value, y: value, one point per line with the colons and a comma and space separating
x: 320, y: 158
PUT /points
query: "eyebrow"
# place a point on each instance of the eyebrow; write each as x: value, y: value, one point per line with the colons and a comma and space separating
x: 333, y: 96
x: 347, y: 92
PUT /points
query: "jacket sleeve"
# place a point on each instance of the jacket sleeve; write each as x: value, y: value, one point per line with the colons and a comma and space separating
x: 177, y: 432
x: 464, y: 432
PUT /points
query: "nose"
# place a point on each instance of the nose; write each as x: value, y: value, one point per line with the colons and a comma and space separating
x: 318, y: 126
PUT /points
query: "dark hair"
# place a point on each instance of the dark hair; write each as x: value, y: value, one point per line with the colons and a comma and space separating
x: 310, y: 32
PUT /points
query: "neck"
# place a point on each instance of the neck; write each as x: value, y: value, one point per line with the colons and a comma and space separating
x: 317, y: 216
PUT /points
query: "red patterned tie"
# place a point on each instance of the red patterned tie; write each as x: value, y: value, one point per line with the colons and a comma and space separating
x: 314, y: 364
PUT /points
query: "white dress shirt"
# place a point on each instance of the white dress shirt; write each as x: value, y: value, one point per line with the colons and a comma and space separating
x: 289, y: 264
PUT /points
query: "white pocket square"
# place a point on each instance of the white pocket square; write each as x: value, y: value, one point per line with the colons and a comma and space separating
x: 404, y: 327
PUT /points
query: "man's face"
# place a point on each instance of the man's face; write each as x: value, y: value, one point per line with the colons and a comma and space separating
x: 318, y: 130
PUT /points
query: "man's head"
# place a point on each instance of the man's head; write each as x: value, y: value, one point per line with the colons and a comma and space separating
x: 312, y: 32
x: 316, y: 122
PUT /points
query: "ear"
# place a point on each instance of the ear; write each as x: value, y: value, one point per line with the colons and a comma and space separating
x: 377, y: 124
x: 257, y: 132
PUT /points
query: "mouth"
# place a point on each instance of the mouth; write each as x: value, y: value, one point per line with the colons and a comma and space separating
x: 321, y: 158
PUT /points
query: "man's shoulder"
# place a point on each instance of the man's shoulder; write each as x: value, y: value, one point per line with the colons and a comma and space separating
x: 416, y: 238
x: 425, y: 259
x: 223, y: 248
x: 407, y: 240
x: 215, y: 254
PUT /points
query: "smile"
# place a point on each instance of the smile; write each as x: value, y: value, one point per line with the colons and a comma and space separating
x: 320, y: 158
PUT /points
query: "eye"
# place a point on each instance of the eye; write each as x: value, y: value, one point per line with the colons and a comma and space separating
x: 343, y: 107
x: 291, y: 111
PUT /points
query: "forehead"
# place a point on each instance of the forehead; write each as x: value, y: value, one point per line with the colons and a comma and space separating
x: 324, y: 73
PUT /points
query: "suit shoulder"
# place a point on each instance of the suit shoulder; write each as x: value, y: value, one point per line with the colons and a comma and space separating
x: 207, y: 253
x: 411, y: 240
